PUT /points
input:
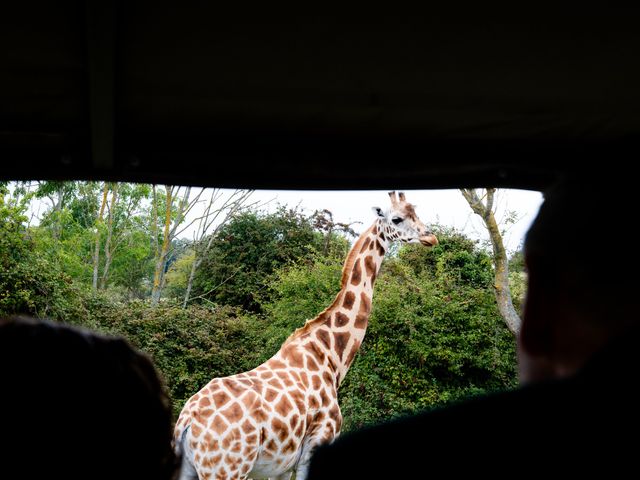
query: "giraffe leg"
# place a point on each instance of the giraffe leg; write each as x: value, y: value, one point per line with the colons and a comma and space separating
x: 187, y: 472
x: 321, y: 435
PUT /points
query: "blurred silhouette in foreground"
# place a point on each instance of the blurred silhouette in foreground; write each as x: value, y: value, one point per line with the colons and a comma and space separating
x: 576, y: 411
x: 76, y: 404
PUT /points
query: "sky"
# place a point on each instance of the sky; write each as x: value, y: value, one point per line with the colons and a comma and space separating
x: 444, y: 207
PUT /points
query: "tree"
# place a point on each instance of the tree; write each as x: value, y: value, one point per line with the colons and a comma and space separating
x: 248, y: 250
x: 173, y: 225
x: 215, y: 216
x: 482, y: 205
x: 98, y: 225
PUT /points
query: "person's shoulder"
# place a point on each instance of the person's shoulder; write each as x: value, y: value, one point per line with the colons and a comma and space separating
x: 463, y: 430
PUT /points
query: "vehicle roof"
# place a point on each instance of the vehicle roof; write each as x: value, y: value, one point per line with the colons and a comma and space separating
x: 316, y: 96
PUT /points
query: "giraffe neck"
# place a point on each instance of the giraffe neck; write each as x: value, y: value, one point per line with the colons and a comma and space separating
x: 340, y: 329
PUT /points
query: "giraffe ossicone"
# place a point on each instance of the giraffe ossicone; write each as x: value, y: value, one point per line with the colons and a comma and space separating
x: 267, y: 422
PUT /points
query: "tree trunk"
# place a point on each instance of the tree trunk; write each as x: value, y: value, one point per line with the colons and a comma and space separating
x: 108, y: 253
x: 96, y: 251
x: 194, y: 266
x: 158, y: 275
x: 500, y: 261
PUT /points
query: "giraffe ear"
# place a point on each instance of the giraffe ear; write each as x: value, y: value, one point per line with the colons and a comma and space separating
x: 378, y: 211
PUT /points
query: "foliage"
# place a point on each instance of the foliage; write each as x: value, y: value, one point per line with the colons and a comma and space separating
x: 178, y: 275
x: 299, y: 293
x: 189, y: 346
x: 248, y: 250
x: 29, y: 282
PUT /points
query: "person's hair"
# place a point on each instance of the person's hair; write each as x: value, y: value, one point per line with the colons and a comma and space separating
x: 580, y: 239
x: 79, y: 404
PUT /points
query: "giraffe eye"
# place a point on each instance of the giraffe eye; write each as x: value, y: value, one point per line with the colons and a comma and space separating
x: 397, y: 220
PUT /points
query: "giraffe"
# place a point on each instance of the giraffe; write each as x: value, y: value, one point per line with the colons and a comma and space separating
x: 267, y: 422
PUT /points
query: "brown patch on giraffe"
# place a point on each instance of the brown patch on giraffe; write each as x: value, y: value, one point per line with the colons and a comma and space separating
x: 332, y: 363
x: 196, y: 430
x: 233, y: 387
x: 324, y: 398
x: 299, y: 430
x: 372, y: 245
x: 370, y: 267
x: 251, y: 439
x: 293, y: 356
x: 274, y: 382
x: 208, y: 438
x: 341, y: 340
x: 226, y: 443
x: 362, y: 321
x: 205, y: 413
x: 259, y: 414
x: 314, y: 403
x: 365, y: 244
x: 216, y: 458
x: 324, y: 337
x: 352, y: 353
x: 233, y: 413
x: 244, y: 381
x: 340, y: 320
x: 280, y: 429
x: 290, y: 447
x: 298, y: 398
x: 380, y: 248
x: 271, y: 445
x: 287, y: 381
x: 230, y: 460
x: 219, y: 425
x: 294, y: 420
x: 266, y: 375
x: 304, y: 378
x: 270, y: 395
x: 204, y: 402
x: 247, y: 427
x: 277, y: 364
x: 244, y: 470
x: 316, y: 382
x: 283, y: 407
x: 312, y: 366
x: 356, y: 274
x: 249, y: 399
x: 349, y: 300
x: 334, y: 412
x: 365, y: 303
x: 316, y: 351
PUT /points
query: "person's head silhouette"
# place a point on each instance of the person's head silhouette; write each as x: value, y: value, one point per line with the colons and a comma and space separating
x: 76, y: 404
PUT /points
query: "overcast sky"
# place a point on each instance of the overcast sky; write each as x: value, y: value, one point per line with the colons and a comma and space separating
x: 445, y: 207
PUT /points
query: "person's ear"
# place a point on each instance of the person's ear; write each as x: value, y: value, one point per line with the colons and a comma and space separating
x: 378, y: 211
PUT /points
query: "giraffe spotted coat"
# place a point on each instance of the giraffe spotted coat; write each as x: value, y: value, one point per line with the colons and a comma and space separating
x: 266, y: 422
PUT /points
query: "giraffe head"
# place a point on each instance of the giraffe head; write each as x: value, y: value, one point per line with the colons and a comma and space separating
x: 401, y: 223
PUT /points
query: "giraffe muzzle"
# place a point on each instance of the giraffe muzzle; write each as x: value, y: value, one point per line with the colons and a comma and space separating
x: 429, y: 240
